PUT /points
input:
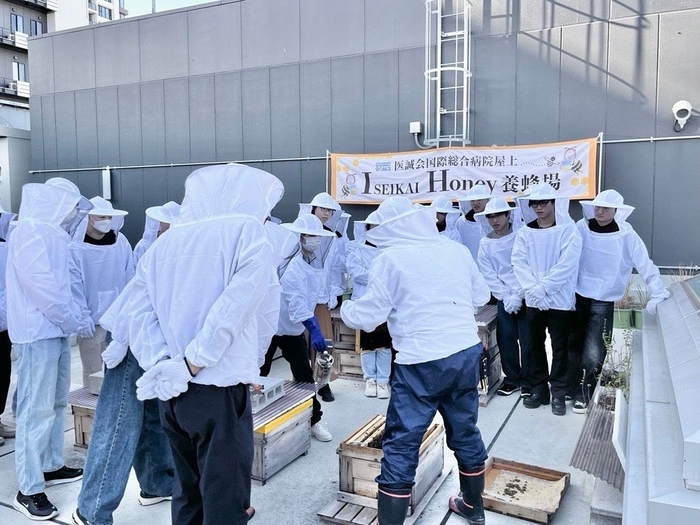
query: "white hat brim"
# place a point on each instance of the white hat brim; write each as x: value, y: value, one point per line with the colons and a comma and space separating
x: 322, y: 233
x: 606, y: 205
x: 156, y: 213
x: 108, y: 213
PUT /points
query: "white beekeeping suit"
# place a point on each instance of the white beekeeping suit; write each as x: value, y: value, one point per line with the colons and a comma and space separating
x: 494, y: 258
x: 155, y: 215
x: 406, y: 280
x: 100, y: 269
x: 40, y: 303
x: 608, y: 258
x: 197, y: 291
x: 100, y: 272
x: 360, y: 256
x: 332, y: 249
x: 442, y: 204
x: 469, y: 229
x: 301, y: 281
x: 545, y: 261
x: 5, y: 218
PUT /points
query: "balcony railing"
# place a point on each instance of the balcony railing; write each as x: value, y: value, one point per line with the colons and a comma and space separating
x: 9, y: 37
x: 92, y: 6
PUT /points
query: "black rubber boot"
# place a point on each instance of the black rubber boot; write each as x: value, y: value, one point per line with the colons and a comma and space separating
x: 470, y: 505
x: 392, y: 506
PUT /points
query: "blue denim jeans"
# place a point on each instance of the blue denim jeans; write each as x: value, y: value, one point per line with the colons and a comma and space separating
x: 593, y: 324
x: 512, y: 336
x: 446, y: 385
x: 376, y: 364
x: 43, y: 382
x: 126, y: 431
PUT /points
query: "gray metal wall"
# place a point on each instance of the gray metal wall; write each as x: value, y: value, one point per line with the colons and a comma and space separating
x: 294, y: 78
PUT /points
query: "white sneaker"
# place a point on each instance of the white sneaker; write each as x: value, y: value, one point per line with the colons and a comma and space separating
x: 371, y: 388
x: 382, y: 391
x: 320, y: 432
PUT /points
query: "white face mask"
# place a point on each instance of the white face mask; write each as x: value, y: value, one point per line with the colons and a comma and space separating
x: 312, y: 243
x: 103, y: 226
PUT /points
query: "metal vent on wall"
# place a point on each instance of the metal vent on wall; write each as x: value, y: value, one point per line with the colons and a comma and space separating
x: 447, y: 72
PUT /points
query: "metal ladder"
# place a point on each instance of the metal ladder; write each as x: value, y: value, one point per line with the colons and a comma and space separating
x: 447, y: 72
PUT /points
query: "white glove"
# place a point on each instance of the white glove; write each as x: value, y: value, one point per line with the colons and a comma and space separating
x: 172, y: 377
x: 653, y: 303
x: 512, y: 304
x: 114, y: 354
x: 146, y: 387
x: 333, y: 303
x: 87, y: 328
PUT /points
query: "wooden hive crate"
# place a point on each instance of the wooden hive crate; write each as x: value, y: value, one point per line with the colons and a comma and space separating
x: 360, y: 464
x: 346, y: 349
x: 82, y: 404
x: 282, y: 431
x: 486, y: 322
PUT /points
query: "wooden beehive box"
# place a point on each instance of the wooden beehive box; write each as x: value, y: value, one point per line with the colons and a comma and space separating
x: 360, y: 464
x: 82, y: 404
x: 346, y: 349
x: 524, y: 491
x: 282, y: 430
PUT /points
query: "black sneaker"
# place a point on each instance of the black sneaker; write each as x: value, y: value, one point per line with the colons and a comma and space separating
x: 558, y: 406
x: 146, y: 499
x: 63, y: 475
x: 326, y: 394
x: 580, y: 407
x: 35, y: 507
x: 79, y: 519
x: 506, y: 389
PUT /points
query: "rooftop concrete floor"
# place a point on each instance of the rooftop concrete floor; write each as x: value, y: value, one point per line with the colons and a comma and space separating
x: 294, y: 495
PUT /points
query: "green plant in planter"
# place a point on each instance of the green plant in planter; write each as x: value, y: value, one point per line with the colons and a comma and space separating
x: 624, y: 315
x: 616, y: 370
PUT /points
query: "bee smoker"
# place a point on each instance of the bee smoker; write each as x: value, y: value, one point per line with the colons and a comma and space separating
x: 324, y: 366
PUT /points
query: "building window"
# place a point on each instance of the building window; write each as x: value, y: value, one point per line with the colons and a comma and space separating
x: 110, y: 1
x: 122, y: 16
x: 36, y: 28
x: 19, y: 71
x: 121, y: 4
x: 17, y: 22
x: 104, y: 12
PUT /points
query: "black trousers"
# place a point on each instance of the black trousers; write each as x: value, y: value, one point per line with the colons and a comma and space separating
x: 5, y: 367
x: 296, y: 353
x: 557, y: 323
x: 210, y: 430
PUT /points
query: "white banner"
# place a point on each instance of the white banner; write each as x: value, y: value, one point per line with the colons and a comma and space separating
x: 570, y: 167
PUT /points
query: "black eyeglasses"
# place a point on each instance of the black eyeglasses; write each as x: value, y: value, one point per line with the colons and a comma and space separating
x: 540, y: 204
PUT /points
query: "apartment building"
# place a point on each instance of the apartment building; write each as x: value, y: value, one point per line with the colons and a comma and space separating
x: 19, y: 21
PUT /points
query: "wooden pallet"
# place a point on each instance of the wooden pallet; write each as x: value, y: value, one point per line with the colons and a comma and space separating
x: 348, y: 513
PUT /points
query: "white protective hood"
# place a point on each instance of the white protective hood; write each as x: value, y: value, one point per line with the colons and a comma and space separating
x: 607, y: 259
x: 425, y: 286
x: 608, y: 199
x: 38, y: 262
x: 540, y: 192
x: 168, y: 212
x: 79, y: 225
x: 203, y: 289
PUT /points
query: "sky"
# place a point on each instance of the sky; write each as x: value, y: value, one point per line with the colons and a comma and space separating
x: 143, y: 7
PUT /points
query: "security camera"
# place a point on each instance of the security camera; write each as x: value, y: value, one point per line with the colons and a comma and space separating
x: 681, y: 112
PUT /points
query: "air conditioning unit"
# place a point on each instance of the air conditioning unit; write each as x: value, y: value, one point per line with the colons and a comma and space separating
x: 13, y: 86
